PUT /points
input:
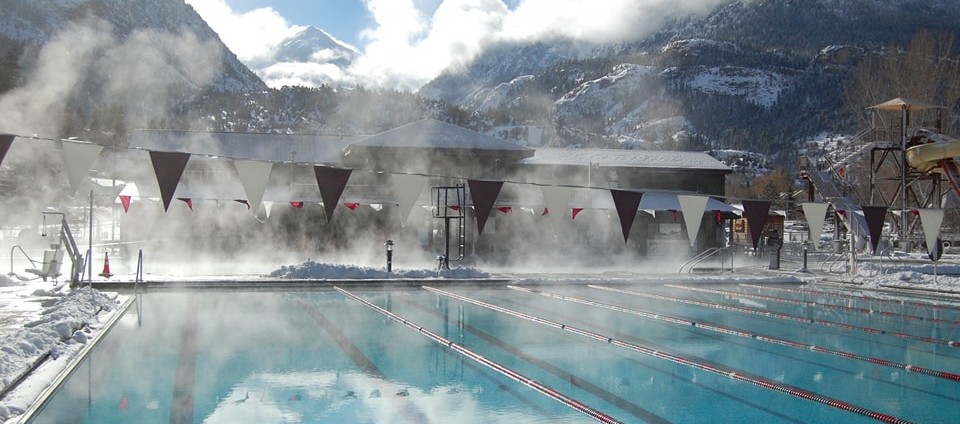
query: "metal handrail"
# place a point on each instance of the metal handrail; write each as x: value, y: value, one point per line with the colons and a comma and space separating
x: 137, y: 279
x: 702, y: 256
x: 17, y: 246
x: 831, y: 260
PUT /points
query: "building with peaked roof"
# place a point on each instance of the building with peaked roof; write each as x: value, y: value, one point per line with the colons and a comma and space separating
x: 449, y: 154
x: 437, y: 148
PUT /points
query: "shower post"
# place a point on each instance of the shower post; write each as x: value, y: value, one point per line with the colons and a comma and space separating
x: 389, y: 246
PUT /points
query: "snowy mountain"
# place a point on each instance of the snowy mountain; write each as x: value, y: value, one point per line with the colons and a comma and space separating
x: 29, y: 24
x: 754, y: 75
x: 310, y: 58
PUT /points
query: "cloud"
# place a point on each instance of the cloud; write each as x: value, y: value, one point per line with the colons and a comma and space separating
x: 252, y: 35
x: 413, y: 41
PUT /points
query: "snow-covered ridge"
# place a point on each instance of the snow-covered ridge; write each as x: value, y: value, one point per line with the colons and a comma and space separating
x: 757, y: 86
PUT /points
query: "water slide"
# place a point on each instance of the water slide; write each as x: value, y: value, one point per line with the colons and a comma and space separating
x: 937, y: 154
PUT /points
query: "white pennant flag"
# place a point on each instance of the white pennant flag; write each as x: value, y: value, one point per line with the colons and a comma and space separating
x: 693, y: 208
x: 254, y: 176
x: 406, y: 190
x: 267, y: 207
x: 816, y: 215
x: 931, y: 219
x: 79, y: 158
x: 557, y: 201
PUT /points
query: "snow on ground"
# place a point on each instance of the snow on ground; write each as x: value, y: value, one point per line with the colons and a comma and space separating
x: 66, y: 320
x: 317, y: 270
x: 51, y: 335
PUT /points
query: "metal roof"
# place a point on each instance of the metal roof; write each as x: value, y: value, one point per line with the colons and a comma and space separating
x: 434, y: 134
x: 660, y: 159
x: 319, y: 149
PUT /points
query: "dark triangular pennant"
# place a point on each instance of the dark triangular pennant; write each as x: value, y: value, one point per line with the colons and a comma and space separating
x: 484, y: 195
x: 331, y: 182
x: 874, y: 215
x: 626, y: 203
x: 169, y: 168
x: 5, y: 141
x: 756, y: 211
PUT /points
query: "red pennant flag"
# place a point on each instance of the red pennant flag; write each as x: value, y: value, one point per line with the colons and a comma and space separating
x: 575, y: 212
x: 5, y: 141
x: 484, y: 195
x: 626, y: 203
x: 874, y: 215
x: 545, y: 211
x: 296, y: 205
x: 125, y: 201
x: 188, y: 201
x: 454, y: 208
x: 168, y: 167
x: 755, y: 211
x: 244, y: 202
x: 352, y: 206
x: 331, y: 182
x: 504, y: 209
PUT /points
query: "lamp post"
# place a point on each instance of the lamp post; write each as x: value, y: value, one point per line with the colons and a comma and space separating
x: 389, y: 246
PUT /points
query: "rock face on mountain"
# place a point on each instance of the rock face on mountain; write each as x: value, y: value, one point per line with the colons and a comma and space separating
x: 757, y: 75
x: 166, y: 24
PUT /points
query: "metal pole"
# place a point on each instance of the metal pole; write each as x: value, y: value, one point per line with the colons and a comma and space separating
x: 903, y: 179
x: 90, y: 251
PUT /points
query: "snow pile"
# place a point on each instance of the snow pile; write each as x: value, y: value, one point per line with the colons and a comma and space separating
x: 62, y: 327
x: 925, y: 276
x: 317, y: 270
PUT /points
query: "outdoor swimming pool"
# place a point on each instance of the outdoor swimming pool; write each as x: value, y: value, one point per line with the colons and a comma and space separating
x: 531, y: 353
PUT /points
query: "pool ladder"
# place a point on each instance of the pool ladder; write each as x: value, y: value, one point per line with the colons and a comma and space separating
x: 138, y: 279
x: 690, y: 264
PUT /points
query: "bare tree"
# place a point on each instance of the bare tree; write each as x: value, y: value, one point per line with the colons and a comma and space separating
x: 926, y: 70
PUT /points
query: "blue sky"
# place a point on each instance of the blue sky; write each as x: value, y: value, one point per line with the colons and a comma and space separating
x: 405, y: 43
x: 344, y: 19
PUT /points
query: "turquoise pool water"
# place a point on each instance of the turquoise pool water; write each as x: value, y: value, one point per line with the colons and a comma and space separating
x: 538, y: 354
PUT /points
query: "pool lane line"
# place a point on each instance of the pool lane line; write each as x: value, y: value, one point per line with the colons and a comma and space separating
x: 182, y: 406
x: 485, y: 373
x: 718, y: 369
x: 808, y: 303
x: 783, y: 316
x: 761, y: 350
x: 901, y: 302
x: 347, y: 346
x: 516, y: 376
x: 610, y: 397
x: 356, y: 355
x: 742, y: 333
x: 678, y: 376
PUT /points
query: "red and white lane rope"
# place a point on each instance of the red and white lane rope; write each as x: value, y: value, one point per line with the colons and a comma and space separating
x: 513, y: 375
x: 807, y: 303
x: 687, y: 361
x: 852, y: 296
x: 742, y: 333
x: 778, y: 315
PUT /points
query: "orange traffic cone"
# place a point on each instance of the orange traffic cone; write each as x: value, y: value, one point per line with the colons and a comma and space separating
x: 106, y: 266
